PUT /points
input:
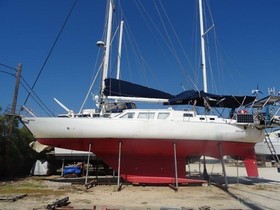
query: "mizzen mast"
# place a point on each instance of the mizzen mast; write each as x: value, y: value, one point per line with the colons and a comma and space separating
x: 120, y: 50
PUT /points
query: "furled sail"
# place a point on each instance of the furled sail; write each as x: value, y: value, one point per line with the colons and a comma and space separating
x: 200, y: 98
x: 115, y: 87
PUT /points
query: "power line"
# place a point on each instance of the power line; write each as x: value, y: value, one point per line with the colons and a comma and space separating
x: 35, y: 97
x: 60, y: 32
x: 25, y: 85
x: 9, y: 67
x: 5, y: 72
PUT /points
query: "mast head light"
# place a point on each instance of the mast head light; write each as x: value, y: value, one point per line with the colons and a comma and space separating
x: 100, y: 44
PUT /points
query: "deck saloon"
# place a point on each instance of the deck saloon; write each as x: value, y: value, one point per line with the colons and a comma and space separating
x: 154, y: 145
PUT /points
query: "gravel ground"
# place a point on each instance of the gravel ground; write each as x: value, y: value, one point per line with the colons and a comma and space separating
x: 243, y: 193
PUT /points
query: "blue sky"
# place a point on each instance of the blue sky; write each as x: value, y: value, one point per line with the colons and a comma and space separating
x: 247, y: 32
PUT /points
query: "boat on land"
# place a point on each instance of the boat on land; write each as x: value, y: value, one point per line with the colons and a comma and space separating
x: 262, y: 148
x: 153, y: 145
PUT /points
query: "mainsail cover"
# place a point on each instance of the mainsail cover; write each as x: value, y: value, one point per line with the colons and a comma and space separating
x: 200, y: 98
x: 115, y: 87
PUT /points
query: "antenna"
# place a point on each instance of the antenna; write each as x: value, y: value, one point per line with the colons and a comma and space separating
x: 271, y: 91
x: 257, y: 91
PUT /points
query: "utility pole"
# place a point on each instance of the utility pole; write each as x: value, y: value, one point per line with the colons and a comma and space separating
x: 8, y: 142
x: 14, y: 104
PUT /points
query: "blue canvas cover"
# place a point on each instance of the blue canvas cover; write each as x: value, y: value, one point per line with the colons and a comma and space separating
x: 200, y: 98
x: 72, y: 170
x: 115, y: 87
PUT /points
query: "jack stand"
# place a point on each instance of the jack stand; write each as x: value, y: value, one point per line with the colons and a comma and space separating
x: 89, y: 149
x: 119, y: 166
x: 120, y: 187
x: 175, y: 166
x: 223, y: 165
x: 173, y: 187
x: 205, y: 173
x: 62, y: 168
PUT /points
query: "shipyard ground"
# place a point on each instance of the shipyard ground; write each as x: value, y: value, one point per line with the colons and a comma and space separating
x: 243, y: 193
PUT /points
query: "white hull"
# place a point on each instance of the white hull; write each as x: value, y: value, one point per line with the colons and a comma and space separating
x: 262, y: 149
x: 150, y: 142
x: 173, y: 128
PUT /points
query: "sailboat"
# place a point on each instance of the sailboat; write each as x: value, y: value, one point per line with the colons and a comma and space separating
x: 153, y: 145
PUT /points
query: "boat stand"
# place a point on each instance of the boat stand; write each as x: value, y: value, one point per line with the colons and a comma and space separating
x: 189, y: 168
x: 62, y: 168
x: 205, y: 173
x: 176, y: 186
x: 119, y: 166
x: 223, y: 164
x: 89, y: 150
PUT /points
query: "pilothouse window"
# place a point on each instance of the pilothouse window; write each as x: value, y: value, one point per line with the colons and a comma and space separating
x: 188, y: 115
x: 128, y: 115
x: 146, y: 115
x: 163, y: 115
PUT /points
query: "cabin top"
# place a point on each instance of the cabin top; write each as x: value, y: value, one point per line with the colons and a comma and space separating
x: 167, y: 114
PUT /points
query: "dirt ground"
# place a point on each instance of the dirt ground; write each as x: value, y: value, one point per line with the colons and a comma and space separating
x: 243, y: 193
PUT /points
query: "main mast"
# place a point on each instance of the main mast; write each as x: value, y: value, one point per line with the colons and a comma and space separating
x: 107, y: 47
x: 203, y: 60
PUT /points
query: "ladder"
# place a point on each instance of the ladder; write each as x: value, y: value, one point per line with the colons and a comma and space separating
x: 272, y: 149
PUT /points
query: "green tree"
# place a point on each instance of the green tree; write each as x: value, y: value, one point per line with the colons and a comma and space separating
x: 16, y: 157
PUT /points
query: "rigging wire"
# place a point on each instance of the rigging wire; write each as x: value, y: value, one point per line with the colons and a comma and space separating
x: 95, y: 72
x: 149, y: 21
x: 209, y: 56
x: 132, y: 49
x: 92, y: 83
x: 150, y: 24
x: 94, y: 77
x: 35, y: 97
x: 196, y: 40
x: 176, y: 35
x: 222, y: 59
x: 130, y: 44
x: 217, y: 80
x: 48, y: 56
x: 181, y: 46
